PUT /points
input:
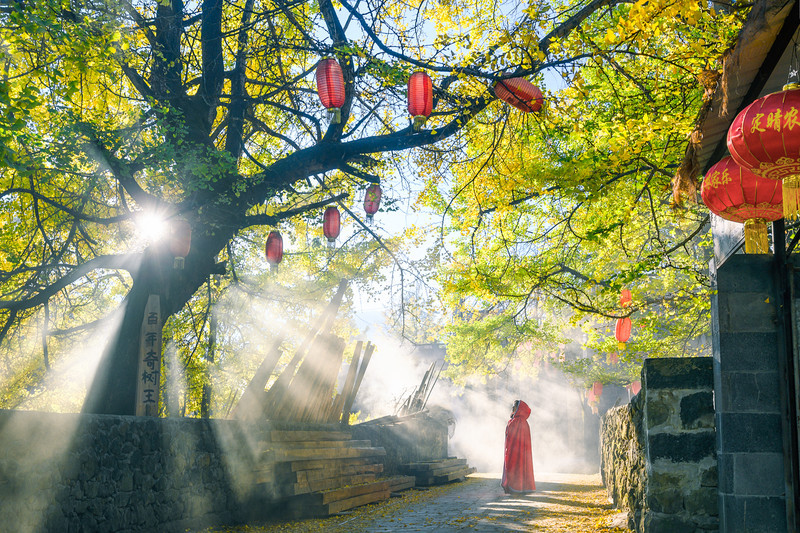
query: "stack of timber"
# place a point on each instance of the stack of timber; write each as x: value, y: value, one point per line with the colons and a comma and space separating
x: 305, y: 390
x: 438, y: 472
x: 418, y: 399
x: 323, y: 472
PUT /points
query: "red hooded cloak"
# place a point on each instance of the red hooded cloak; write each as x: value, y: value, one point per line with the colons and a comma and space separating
x: 518, y: 463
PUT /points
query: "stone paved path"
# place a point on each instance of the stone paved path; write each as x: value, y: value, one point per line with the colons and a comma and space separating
x: 562, y: 503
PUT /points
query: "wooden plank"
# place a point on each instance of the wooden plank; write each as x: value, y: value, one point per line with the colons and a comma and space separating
x: 251, y: 403
x: 398, y: 483
x: 351, y: 395
x: 320, y: 485
x: 439, y: 463
x: 316, y: 444
x: 314, y: 464
x: 443, y: 471
x: 446, y: 478
x: 276, y: 400
x: 300, y: 454
x: 349, y: 381
x: 350, y: 503
x: 345, y: 493
x: 303, y: 435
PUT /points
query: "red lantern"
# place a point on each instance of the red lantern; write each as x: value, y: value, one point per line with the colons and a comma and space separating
x: 420, y: 98
x: 625, y: 298
x: 635, y: 387
x: 597, y: 389
x: 180, y: 241
x: 519, y: 93
x: 330, y: 87
x: 274, y: 249
x: 623, y: 331
x: 590, y: 397
x: 763, y: 139
x: 736, y: 194
x: 372, y: 200
x: 331, y: 224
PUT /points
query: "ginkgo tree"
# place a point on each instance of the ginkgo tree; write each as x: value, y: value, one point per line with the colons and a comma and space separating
x: 205, y: 111
x: 548, y: 217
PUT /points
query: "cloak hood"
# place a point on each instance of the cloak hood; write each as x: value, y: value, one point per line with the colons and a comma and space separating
x: 523, y: 411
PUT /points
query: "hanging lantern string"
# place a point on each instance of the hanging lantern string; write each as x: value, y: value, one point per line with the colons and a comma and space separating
x: 793, y: 64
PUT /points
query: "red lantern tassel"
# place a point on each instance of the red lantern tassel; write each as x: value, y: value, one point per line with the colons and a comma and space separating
x: 756, y: 240
x: 791, y: 197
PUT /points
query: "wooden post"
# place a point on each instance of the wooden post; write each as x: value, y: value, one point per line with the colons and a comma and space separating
x: 351, y: 395
x: 149, y: 375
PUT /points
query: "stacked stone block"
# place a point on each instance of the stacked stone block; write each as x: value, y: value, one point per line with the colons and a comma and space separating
x: 658, y: 452
x: 747, y: 383
x: 679, y: 446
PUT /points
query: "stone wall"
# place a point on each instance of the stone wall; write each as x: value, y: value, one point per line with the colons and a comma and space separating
x: 623, y: 458
x: 748, y: 349
x: 76, y: 473
x: 659, y: 460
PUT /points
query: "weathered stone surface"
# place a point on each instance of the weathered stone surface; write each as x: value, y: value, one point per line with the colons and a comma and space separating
x: 697, y: 410
x: 668, y: 500
x: 702, y: 502
x: 663, y: 473
x: 659, y: 411
x: 708, y: 478
x: 677, y: 373
x: 682, y: 447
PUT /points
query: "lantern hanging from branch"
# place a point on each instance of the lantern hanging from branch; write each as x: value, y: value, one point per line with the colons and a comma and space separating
x: 330, y: 87
x: 597, y: 389
x: 625, y: 299
x: 372, y: 200
x: 635, y: 387
x: 736, y: 194
x: 274, y: 249
x: 623, y: 331
x: 519, y: 93
x: 763, y: 139
x: 331, y: 224
x: 180, y: 241
x: 420, y: 98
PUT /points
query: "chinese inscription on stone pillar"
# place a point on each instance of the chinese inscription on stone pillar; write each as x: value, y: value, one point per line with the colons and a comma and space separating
x: 149, y: 359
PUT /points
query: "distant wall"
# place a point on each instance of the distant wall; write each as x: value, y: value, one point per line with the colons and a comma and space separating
x: 659, y: 460
x: 76, y: 473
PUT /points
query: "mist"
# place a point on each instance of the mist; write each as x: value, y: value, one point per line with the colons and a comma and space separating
x: 564, y: 435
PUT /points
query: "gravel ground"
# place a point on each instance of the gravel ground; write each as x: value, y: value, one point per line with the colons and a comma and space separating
x: 562, y: 502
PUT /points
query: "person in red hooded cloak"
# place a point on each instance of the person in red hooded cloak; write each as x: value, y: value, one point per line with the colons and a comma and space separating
x: 518, y: 462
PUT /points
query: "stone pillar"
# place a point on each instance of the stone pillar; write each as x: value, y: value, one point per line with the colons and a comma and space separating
x: 747, y: 395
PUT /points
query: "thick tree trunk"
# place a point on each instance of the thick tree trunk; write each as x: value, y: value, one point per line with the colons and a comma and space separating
x: 113, y: 390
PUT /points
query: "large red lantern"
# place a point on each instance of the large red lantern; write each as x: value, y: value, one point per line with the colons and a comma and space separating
x: 623, y: 331
x: 274, y: 249
x: 330, y: 87
x: 736, y: 194
x: 520, y: 93
x: 763, y: 139
x: 331, y: 224
x: 597, y: 389
x: 635, y: 387
x: 372, y: 200
x: 420, y: 98
x: 180, y: 241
